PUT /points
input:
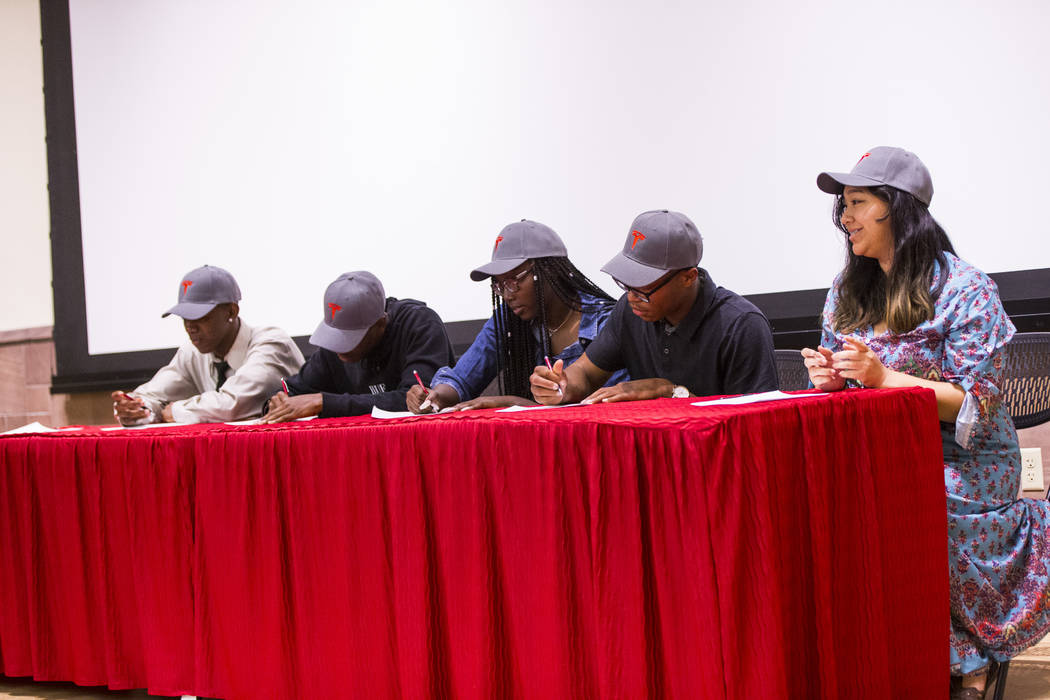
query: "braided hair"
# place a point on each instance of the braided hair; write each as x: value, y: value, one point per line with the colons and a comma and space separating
x: 516, y: 346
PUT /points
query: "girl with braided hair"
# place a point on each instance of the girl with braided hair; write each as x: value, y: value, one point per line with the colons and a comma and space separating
x: 542, y: 307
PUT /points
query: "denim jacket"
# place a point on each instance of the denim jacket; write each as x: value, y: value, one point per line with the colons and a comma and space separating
x: 478, y: 365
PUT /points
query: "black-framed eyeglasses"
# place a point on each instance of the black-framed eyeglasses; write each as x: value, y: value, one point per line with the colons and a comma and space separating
x: 509, y: 286
x: 645, y: 296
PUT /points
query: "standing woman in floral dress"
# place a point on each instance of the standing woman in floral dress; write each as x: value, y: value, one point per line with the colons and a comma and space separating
x: 905, y: 311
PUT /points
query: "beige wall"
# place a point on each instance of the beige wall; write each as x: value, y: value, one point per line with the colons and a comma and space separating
x: 25, y: 286
x: 27, y: 361
x: 26, y: 351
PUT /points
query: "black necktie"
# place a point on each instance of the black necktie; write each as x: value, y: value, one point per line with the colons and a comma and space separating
x: 221, y: 368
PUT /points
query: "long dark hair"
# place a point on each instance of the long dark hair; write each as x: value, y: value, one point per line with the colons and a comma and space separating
x: 516, y: 346
x: 903, y: 298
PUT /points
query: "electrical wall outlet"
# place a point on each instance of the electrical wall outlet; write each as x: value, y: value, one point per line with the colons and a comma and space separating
x: 1032, y: 469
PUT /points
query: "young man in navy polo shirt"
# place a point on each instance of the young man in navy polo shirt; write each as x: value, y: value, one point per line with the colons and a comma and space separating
x: 674, y: 330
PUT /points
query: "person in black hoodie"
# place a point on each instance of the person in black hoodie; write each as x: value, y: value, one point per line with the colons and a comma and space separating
x: 371, y: 347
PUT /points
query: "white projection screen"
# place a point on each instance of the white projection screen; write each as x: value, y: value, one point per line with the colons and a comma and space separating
x: 293, y: 141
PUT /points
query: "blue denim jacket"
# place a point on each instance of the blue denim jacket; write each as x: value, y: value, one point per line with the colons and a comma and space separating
x: 477, y: 367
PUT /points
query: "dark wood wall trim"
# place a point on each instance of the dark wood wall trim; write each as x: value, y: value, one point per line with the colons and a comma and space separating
x: 794, y: 316
x: 67, y: 254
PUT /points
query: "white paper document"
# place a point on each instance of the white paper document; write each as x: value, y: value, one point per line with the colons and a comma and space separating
x: 33, y: 427
x: 259, y: 421
x: 36, y: 427
x: 380, y: 413
x: 146, y: 425
x: 757, y: 398
x: 511, y: 409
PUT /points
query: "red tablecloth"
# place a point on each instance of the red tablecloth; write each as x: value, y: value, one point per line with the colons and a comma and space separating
x: 794, y: 549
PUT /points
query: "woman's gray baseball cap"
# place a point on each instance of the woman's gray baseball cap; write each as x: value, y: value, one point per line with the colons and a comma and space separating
x: 203, y: 289
x: 352, y: 303
x: 523, y: 240
x: 883, y: 165
x: 659, y: 241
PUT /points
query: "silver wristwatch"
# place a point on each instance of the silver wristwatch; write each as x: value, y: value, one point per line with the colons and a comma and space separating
x: 679, y: 392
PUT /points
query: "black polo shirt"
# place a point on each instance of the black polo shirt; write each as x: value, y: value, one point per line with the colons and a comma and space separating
x: 723, y: 346
x: 415, y: 339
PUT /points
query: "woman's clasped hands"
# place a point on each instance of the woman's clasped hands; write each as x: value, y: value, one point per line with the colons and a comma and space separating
x: 829, y: 370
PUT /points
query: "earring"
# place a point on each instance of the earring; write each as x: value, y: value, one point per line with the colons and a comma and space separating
x: 229, y: 320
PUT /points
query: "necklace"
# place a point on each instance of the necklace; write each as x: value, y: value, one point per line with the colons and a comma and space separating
x: 568, y: 315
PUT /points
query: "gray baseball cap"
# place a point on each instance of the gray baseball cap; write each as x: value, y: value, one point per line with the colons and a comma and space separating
x: 352, y: 303
x: 523, y: 240
x: 659, y: 241
x: 203, y: 289
x: 883, y: 165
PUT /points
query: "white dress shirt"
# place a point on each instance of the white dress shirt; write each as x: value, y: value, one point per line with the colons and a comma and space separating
x: 259, y: 358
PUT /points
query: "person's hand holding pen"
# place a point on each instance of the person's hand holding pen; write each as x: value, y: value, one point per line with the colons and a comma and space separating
x: 283, y: 407
x: 128, y: 409
x: 424, y: 399
x: 549, y: 383
x: 420, y: 399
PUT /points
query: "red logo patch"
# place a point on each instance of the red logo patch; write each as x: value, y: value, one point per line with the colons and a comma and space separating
x: 638, y: 236
x: 186, y: 285
x: 334, y: 308
x: 499, y: 239
x: 863, y: 157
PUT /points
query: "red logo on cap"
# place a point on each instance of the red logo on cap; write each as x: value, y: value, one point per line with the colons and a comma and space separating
x: 863, y: 157
x: 334, y: 308
x: 638, y: 236
x: 499, y: 239
x: 186, y: 285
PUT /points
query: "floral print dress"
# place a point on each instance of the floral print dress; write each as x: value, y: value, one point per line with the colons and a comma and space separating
x: 998, y: 545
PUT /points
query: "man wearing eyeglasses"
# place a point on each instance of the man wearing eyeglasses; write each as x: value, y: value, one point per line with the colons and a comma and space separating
x: 675, y: 331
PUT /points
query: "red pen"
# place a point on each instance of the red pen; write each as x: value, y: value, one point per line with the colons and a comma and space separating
x: 548, y: 361
x: 426, y: 402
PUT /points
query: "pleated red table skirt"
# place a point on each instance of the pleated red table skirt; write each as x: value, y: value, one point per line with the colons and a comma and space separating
x: 795, y: 549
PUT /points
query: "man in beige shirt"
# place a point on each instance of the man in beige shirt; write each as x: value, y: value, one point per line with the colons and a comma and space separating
x: 226, y: 371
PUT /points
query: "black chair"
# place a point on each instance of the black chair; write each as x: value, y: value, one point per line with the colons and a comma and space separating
x: 1026, y: 393
x: 791, y: 373
x: 1026, y: 379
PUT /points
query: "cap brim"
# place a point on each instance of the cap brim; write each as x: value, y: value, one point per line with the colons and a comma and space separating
x: 631, y: 272
x: 833, y: 183
x: 496, y: 267
x: 189, y: 311
x: 335, y: 339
